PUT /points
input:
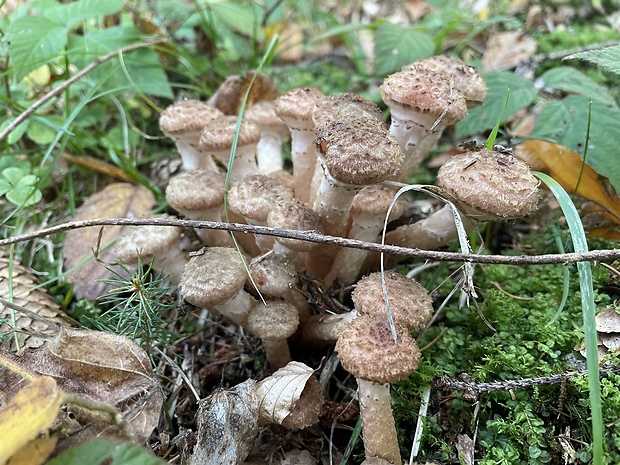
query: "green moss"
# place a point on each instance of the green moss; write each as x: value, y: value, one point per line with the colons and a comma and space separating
x: 514, y: 427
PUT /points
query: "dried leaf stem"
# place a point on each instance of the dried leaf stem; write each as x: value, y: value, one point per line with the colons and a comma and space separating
x: 564, y: 258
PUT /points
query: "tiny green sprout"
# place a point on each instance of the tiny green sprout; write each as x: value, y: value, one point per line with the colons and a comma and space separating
x: 19, y: 187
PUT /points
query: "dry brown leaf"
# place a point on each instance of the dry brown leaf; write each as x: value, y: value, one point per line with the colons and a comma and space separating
x: 227, y: 424
x: 608, y: 321
x: 100, y: 366
x: 564, y: 166
x: 278, y: 394
x: 506, y: 50
x: 115, y: 201
x: 35, y: 452
x: 35, y: 300
x: 30, y: 412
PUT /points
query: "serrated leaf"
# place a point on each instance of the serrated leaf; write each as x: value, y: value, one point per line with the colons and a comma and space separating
x: 607, y: 57
x: 99, y: 451
x: 484, y: 117
x: 71, y: 14
x: 397, y: 46
x: 565, y: 122
x: 574, y: 81
x: 34, y: 41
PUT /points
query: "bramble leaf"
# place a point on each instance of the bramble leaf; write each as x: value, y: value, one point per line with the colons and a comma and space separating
x: 397, y: 46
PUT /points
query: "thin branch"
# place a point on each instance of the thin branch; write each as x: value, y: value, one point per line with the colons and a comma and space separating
x: 445, y: 383
x: 310, y: 236
x: 76, y: 77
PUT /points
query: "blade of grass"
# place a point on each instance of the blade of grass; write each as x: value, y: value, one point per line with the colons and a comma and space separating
x: 565, y: 277
x: 491, y: 139
x: 587, y: 306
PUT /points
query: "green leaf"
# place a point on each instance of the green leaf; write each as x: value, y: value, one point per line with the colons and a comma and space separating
x: 99, y: 451
x: 34, y: 41
x: 40, y: 133
x: 71, y: 14
x: 607, y: 57
x: 13, y: 175
x: 244, y: 18
x: 484, y: 117
x: 143, y: 65
x: 397, y: 46
x: 24, y: 197
x: 574, y: 81
x: 565, y: 122
x: 17, y: 133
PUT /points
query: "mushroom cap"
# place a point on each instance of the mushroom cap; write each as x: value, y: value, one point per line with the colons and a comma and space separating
x: 308, y: 408
x: 275, y: 321
x: 425, y: 92
x: 375, y: 200
x: 296, y: 105
x: 272, y: 276
x: 230, y: 94
x: 256, y: 195
x: 410, y: 304
x: 196, y: 190
x: 213, y: 277
x: 186, y: 116
x: 344, y: 107
x: 465, y: 78
x: 219, y: 134
x: 490, y: 183
x: 295, y: 216
x: 367, y: 351
x: 359, y: 151
x: 147, y: 240
x: 263, y: 114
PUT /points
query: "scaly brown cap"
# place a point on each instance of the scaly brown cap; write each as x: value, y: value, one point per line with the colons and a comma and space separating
x: 410, y: 303
x: 360, y: 151
x: 230, y: 94
x: 213, y: 277
x: 424, y: 92
x: 295, y: 216
x: 367, y: 351
x: 275, y: 321
x: 255, y: 196
x: 187, y: 116
x: 344, y: 107
x: 220, y: 133
x: 147, y: 240
x: 465, y: 78
x: 490, y: 184
x: 196, y: 190
x: 296, y: 106
x: 375, y: 200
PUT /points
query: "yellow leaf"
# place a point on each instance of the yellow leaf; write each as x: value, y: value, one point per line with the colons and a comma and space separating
x: 35, y: 452
x: 28, y: 414
x: 564, y: 166
x: 39, y: 77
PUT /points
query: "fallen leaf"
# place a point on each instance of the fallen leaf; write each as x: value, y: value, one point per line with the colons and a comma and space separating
x: 608, y: 321
x: 41, y: 314
x: 114, y: 201
x: 100, y: 366
x: 278, y: 394
x: 35, y: 452
x: 507, y: 50
x: 30, y: 412
x: 565, y: 167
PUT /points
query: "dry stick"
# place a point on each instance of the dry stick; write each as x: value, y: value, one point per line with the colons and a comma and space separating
x: 546, y: 259
x: 76, y: 77
x: 446, y: 383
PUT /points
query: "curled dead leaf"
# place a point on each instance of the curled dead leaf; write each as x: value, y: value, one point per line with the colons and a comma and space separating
x: 506, y: 50
x: 104, y: 367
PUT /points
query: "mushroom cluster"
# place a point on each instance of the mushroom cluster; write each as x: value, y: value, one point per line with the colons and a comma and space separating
x: 342, y: 153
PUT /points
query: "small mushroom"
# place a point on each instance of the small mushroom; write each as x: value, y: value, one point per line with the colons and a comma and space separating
x: 182, y: 122
x: 295, y: 108
x: 422, y: 103
x: 217, y: 138
x: 214, y: 279
x: 274, y: 323
x: 367, y: 351
x: 161, y: 244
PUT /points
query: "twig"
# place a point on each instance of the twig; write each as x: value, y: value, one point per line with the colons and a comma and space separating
x: 310, y: 236
x: 77, y: 76
x: 447, y: 383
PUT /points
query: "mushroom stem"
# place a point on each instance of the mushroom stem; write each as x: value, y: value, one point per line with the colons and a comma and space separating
x: 276, y: 352
x: 378, y: 426
x: 238, y: 308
